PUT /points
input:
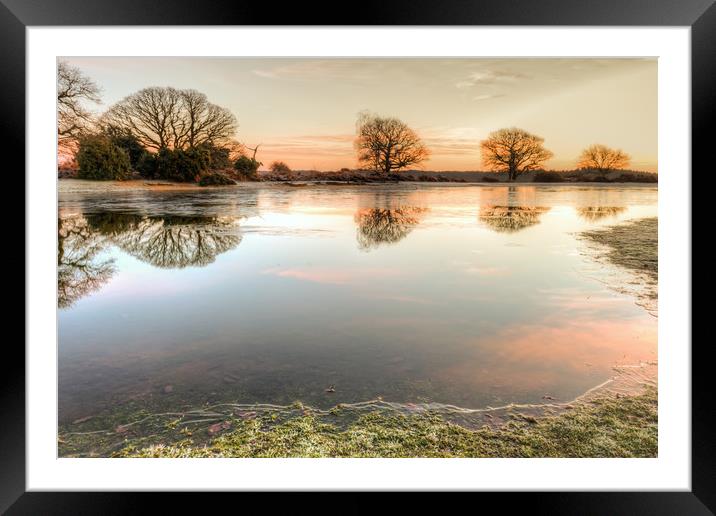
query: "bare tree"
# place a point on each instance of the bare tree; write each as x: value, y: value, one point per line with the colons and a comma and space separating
x: 170, y: 118
x: 603, y: 159
x: 387, y: 144
x: 514, y: 151
x: 202, y: 121
x: 74, y: 91
x: 235, y: 147
x: 254, y: 149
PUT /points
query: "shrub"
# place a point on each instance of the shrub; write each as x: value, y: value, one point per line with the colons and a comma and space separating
x: 129, y: 143
x: 218, y: 156
x: 279, y: 166
x: 215, y: 179
x: 147, y: 165
x: 99, y: 158
x: 637, y: 178
x: 548, y: 177
x: 490, y: 179
x: 182, y: 165
x: 247, y: 166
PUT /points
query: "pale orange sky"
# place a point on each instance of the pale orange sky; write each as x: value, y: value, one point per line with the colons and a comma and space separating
x: 303, y: 110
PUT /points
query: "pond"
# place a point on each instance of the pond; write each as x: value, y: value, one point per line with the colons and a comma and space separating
x: 468, y: 295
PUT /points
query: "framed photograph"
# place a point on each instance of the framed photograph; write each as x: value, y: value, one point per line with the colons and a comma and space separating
x: 435, y: 247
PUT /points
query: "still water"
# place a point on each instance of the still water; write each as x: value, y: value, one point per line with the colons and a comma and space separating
x: 466, y: 295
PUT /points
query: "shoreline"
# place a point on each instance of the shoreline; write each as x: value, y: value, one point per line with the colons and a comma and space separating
x: 607, y: 427
x: 195, y: 433
x: 229, y: 177
x: 161, y: 185
x: 630, y: 247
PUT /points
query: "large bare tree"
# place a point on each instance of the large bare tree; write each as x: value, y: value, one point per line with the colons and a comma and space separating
x: 202, y: 121
x: 164, y: 117
x: 603, y: 159
x: 514, y: 151
x: 387, y: 144
x: 74, y: 92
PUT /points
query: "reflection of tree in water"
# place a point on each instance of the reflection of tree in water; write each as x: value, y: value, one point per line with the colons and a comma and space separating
x: 595, y: 213
x: 80, y: 271
x: 174, y: 241
x: 378, y: 226
x: 509, y: 219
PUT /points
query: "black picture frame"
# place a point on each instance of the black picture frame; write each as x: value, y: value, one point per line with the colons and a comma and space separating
x: 700, y: 15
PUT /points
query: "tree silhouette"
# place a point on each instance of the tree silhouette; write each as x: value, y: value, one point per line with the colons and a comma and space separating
x: 279, y: 166
x: 595, y: 213
x: 514, y: 151
x: 387, y: 144
x: 377, y: 226
x: 510, y: 219
x: 167, y: 118
x: 74, y: 90
x: 80, y: 271
x: 175, y: 241
x: 603, y: 159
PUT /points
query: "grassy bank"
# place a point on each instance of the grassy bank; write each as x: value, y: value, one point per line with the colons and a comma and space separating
x: 634, y: 247
x: 605, y: 427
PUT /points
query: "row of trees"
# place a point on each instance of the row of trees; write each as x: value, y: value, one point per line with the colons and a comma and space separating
x: 179, y: 134
x: 388, y: 144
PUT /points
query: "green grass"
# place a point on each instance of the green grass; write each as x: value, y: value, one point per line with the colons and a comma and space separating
x: 608, y: 427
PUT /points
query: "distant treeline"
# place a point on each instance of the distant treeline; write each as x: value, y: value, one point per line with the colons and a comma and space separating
x: 179, y: 135
x: 536, y: 176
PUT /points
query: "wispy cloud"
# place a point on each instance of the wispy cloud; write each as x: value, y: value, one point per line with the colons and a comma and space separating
x: 490, y: 77
x: 452, y: 146
x: 487, y: 96
x: 313, y: 70
x: 452, y: 140
x: 339, y: 145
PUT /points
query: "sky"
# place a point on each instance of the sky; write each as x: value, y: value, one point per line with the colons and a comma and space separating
x: 303, y: 110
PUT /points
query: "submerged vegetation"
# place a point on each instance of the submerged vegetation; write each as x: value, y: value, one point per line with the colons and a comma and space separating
x: 604, y: 427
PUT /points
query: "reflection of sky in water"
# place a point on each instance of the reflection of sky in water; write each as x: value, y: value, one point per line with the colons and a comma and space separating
x: 408, y: 293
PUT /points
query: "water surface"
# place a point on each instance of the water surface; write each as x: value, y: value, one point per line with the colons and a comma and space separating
x: 467, y: 295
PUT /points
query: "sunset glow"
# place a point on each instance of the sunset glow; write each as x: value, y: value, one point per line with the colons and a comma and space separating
x: 303, y: 110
